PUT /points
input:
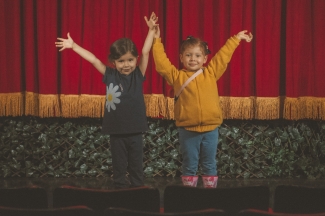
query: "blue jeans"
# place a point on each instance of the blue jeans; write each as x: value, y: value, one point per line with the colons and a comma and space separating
x: 198, y: 146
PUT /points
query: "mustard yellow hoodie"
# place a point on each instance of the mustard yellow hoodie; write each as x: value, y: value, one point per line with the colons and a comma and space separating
x: 198, y: 107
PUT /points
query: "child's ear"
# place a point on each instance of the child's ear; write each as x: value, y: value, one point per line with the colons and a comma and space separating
x: 181, y: 57
x: 205, y: 59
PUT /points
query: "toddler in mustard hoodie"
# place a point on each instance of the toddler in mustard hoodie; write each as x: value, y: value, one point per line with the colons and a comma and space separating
x: 197, y: 108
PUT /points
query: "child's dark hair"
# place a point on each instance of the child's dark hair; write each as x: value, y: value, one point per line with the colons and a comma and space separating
x: 121, y: 47
x: 192, y: 41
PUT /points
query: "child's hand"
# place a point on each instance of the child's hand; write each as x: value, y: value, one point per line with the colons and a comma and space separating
x: 65, y: 43
x: 242, y: 36
x: 157, y: 32
x: 152, y: 21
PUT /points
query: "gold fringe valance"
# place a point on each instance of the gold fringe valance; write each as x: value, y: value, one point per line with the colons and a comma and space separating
x: 91, y: 106
x: 152, y: 105
x: 70, y: 106
x: 267, y: 108
x: 304, y: 108
x: 170, y: 108
x: 48, y: 105
x: 31, y: 104
x: 237, y: 107
x: 11, y: 104
x: 159, y: 106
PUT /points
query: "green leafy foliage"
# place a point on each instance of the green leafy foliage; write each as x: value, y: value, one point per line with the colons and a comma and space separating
x: 57, y: 147
x: 34, y: 147
x: 263, y: 149
x: 161, y: 153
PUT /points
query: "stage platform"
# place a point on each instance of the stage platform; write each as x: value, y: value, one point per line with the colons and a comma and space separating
x: 158, y: 182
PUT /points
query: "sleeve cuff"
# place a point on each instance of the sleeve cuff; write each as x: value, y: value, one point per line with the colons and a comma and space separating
x: 157, y: 40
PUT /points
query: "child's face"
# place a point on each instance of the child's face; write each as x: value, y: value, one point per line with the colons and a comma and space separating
x: 193, y: 58
x: 126, y: 63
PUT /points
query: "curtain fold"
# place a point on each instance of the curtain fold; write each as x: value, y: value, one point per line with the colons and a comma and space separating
x: 47, y: 60
x: 30, y: 75
x: 11, y: 97
x: 278, y: 75
x: 267, y: 55
x: 305, y: 60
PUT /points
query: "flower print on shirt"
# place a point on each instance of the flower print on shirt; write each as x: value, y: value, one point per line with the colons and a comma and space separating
x: 112, y: 97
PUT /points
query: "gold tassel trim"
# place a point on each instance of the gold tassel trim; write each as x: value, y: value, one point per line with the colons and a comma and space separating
x: 304, y: 108
x: 322, y: 109
x: 31, y: 104
x: 159, y: 106
x: 69, y: 106
x: 237, y: 107
x: 152, y: 107
x: 49, y: 105
x: 267, y: 108
x: 11, y: 104
x: 170, y: 108
x: 162, y: 104
x: 91, y: 106
x: 156, y: 105
x: 225, y: 106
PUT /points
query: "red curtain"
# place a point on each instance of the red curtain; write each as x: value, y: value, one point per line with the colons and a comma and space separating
x: 305, y: 65
x: 267, y: 75
x: 11, y: 67
x: 279, y: 74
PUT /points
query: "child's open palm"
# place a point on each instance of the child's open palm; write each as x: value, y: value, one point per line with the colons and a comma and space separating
x: 243, y: 36
x: 152, y: 21
x: 64, y: 43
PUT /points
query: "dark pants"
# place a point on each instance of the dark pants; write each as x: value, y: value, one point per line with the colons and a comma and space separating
x: 127, y: 155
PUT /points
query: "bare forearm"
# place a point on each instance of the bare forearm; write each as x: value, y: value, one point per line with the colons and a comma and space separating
x: 89, y: 57
x: 84, y: 53
x: 145, y: 51
x: 148, y: 43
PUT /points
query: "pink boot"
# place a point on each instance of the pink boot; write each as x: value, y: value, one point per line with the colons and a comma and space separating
x: 190, y: 180
x: 210, y: 181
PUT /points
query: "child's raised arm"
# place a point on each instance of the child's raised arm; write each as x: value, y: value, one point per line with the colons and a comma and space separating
x: 148, y: 42
x: 70, y: 44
